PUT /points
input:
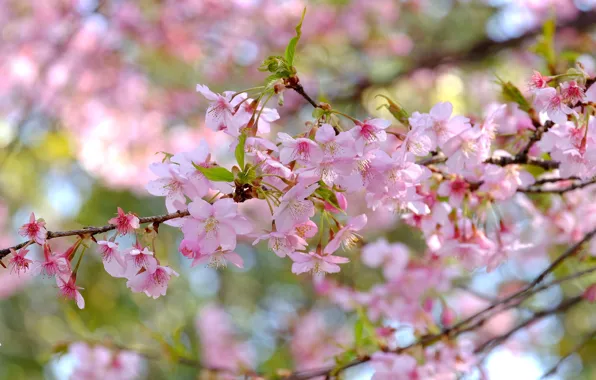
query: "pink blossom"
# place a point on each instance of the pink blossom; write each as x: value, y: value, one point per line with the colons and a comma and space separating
x: 153, y: 283
x: 68, y: 288
x: 98, y: 362
x: 550, y: 101
x: 220, y: 259
x: 18, y: 262
x: 215, y: 225
x: 390, y: 366
x: 502, y: 182
x: 295, y: 208
x: 54, y: 263
x: 346, y: 236
x: 283, y: 244
x: 316, y: 263
x: 220, y: 346
x: 174, y: 185
x: 370, y: 131
x: 538, y: 81
x: 392, y: 258
x: 113, y: 260
x: 456, y: 189
x: 572, y: 92
x: 220, y: 113
x: 34, y: 230
x: 125, y: 223
x: 304, y: 151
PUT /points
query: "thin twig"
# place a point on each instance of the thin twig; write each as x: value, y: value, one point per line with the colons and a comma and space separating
x: 575, y: 350
x: 91, y: 231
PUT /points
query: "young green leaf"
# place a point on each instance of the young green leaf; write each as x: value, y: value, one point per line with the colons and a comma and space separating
x: 216, y: 173
x: 510, y: 93
x: 291, y: 48
x: 239, y: 152
x: 396, y: 110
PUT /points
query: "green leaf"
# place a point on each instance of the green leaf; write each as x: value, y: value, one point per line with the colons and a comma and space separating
x: 327, y: 195
x: 239, y: 152
x: 396, y: 110
x: 510, y: 93
x: 546, y: 43
x: 358, y: 332
x: 216, y: 173
x: 291, y: 48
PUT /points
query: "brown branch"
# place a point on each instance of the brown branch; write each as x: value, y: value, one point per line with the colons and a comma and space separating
x: 91, y: 231
x: 476, y: 53
x: 540, y: 190
x: 300, y: 90
x: 575, y: 350
x: 563, y: 306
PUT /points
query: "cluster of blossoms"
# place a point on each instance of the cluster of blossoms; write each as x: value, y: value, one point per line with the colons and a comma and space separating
x: 450, y: 178
x: 99, y: 362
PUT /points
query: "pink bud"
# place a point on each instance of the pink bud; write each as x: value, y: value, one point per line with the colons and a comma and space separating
x: 448, y: 316
x: 342, y: 202
x: 590, y: 293
x: 427, y: 305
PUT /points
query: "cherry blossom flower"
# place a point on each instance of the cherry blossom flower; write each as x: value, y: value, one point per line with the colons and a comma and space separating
x: 346, y: 236
x: 370, y: 131
x: 303, y: 150
x: 283, y: 244
x: 220, y: 259
x: 316, y: 263
x: 174, y: 185
x: 538, y: 81
x: 154, y: 283
x: 125, y: 223
x: 550, y: 101
x: 34, y: 230
x: 18, y: 262
x: 54, y: 263
x: 215, y: 225
x: 220, y: 114
x: 295, y: 208
x: 572, y: 92
x: 68, y: 288
x: 390, y: 366
x: 98, y: 362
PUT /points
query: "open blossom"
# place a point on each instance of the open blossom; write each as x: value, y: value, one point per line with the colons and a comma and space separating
x: 34, y: 230
x: 153, y: 283
x: 572, y: 92
x: 215, y: 225
x: 247, y: 109
x: 502, y: 182
x: 346, y: 236
x: 392, y: 258
x: 54, y: 263
x: 369, y: 131
x: 69, y: 289
x: 98, y: 362
x: 174, y: 185
x: 18, y: 262
x: 125, y: 223
x: 220, y: 345
x: 283, y: 243
x: 295, y: 208
x: 304, y: 151
x: 220, y: 114
x: 390, y: 366
x: 316, y: 263
x: 551, y: 102
x: 538, y: 81
x: 220, y: 259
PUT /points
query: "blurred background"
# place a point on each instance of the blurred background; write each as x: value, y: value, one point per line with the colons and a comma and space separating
x: 91, y: 90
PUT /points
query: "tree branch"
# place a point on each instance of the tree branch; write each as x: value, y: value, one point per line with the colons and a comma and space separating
x: 91, y: 231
